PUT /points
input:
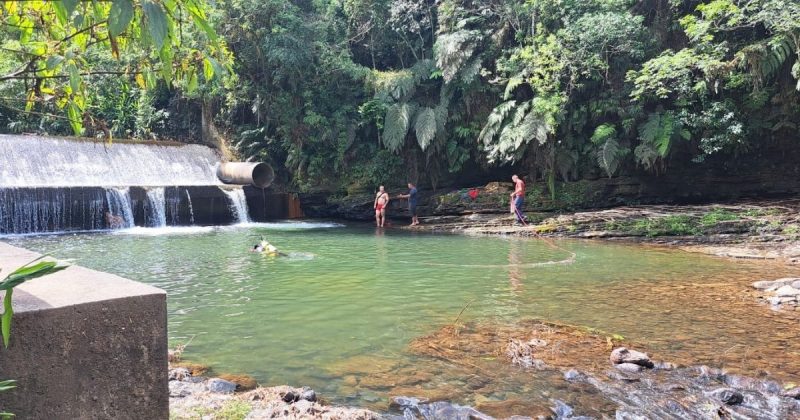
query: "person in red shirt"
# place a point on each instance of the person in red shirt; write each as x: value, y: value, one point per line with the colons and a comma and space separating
x: 518, y: 198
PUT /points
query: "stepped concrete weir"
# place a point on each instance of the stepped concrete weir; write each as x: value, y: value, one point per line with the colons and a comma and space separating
x: 84, y: 345
x: 53, y: 184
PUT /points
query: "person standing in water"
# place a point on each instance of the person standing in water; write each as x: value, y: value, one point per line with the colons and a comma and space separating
x: 412, y: 203
x: 381, y: 201
x: 518, y: 198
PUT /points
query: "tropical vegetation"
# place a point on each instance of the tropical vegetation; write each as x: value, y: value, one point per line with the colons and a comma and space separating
x: 355, y: 92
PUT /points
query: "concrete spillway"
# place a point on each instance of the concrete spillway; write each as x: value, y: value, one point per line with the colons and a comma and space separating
x: 60, y: 184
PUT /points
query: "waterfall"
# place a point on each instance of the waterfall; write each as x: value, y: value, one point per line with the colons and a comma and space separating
x: 119, y: 206
x: 37, y: 161
x: 191, y: 210
x: 157, y: 207
x: 39, y: 210
x: 238, y: 204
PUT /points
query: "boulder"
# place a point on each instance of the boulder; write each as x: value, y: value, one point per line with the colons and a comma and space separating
x: 629, y: 367
x: 728, y: 396
x: 308, y: 394
x: 220, y: 386
x: 622, y: 355
x: 787, y: 291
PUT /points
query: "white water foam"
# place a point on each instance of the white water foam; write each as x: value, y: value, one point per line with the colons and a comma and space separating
x: 164, y: 231
x: 157, y: 204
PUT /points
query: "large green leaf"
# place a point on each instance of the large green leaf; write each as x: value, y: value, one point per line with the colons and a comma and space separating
x: 5, y: 320
x: 425, y: 127
x: 120, y: 16
x: 156, y: 22
x: 396, y: 124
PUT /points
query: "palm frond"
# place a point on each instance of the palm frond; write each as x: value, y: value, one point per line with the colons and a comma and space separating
x: 396, y: 124
x: 425, y: 127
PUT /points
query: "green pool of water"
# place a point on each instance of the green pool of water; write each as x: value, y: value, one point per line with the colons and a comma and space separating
x: 346, y: 292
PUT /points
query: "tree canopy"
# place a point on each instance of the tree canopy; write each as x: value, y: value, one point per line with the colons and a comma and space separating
x: 355, y: 92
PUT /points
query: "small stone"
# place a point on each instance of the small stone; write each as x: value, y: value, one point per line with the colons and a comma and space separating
x: 304, y: 407
x: 220, y: 386
x: 629, y: 367
x: 774, y: 284
x: 728, y: 396
x: 787, y: 291
x: 780, y: 300
x: 308, y: 394
x: 573, y: 375
x: 623, y: 355
x: 796, y: 284
x: 290, y: 397
x: 179, y: 374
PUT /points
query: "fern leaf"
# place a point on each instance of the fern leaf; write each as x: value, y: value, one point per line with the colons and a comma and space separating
x: 395, y: 126
x: 495, y: 121
x: 425, y: 127
x: 610, y: 155
x: 512, y: 84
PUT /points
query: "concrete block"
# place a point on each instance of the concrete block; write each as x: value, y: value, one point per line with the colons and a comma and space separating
x: 85, y: 345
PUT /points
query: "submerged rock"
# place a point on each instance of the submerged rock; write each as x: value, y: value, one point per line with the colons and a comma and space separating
x: 728, y: 396
x: 414, y: 408
x: 622, y: 355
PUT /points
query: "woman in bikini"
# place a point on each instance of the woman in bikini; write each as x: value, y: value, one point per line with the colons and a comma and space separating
x: 381, y: 201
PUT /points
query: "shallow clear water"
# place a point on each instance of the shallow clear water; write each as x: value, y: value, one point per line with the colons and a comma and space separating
x: 351, y: 296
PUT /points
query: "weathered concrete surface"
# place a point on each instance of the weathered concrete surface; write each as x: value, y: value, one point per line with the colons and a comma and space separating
x: 85, y: 345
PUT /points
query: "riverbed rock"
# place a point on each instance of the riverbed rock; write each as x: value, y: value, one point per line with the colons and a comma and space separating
x: 793, y: 393
x: 629, y: 367
x: 574, y: 375
x: 787, y: 291
x: 728, y: 396
x: 179, y: 374
x: 780, y: 300
x: 308, y: 394
x: 622, y: 355
x: 180, y: 389
x: 220, y: 386
x: 770, y: 285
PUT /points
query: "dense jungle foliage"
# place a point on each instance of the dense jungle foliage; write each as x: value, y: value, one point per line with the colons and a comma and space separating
x: 357, y: 92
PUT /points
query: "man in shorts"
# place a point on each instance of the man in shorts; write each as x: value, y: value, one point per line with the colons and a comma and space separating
x: 518, y: 198
x: 381, y: 201
x: 412, y: 203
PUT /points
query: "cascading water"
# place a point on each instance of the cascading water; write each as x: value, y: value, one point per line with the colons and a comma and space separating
x: 238, y: 205
x: 50, y: 184
x: 191, y: 209
x: 33, y: 161
x: 119, y: 208
x: 157, y: 207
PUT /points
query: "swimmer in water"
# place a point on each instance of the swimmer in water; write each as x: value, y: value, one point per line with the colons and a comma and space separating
x: 266, y: 248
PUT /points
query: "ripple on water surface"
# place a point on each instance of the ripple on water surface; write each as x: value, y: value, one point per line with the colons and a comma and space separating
x: 346, y: 303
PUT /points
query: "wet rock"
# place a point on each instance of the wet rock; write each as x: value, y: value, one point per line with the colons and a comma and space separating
x: 290, y: 397
x: 220, y: 386
x: 728, y: 396
x: 787, y: 291
x: 350, y: 380
x: 793, y: 393
x: 629, y: 367
x: 622, y: 355
x: 796, y: 284
x: 308, y: 394
x: 178, y: 389
x: 573, y: 375
x: 780, y: 300
x: 179, y: 374
x: 562, y: 411
x: 414, y: 408
x: 664, y: 366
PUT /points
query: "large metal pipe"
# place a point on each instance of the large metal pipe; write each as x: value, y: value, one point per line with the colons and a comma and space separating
x: 259, y: 174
